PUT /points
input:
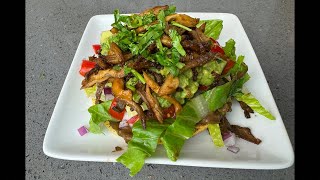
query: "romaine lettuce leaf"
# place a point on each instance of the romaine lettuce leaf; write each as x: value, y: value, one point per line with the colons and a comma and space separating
x: 194, y: 110
x: 230, y: 49
x: 213, y: 27
x: 215, y: 134
x: 218, y: 96
x: 94, y: 128
x: 255, y: 105
x: 142, y: 145
x: 100, y: 112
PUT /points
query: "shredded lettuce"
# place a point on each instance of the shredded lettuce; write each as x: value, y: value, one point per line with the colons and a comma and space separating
x: 191, y: 113
x: 255, y: 105
x: 213, y: 27
x: 230, y: 49
x: 142, y: 145
x: 215, y: 134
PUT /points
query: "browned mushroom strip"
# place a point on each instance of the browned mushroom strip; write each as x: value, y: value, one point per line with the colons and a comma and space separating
x: 202, y: 27
x: 198, y: 35
x: 100, y: 87
x: 118, y: 89
x: 155, y: 106
x: 244, y: 133
x: 211, y: 118
x: 127, y: 56
x: 114, y: 30
x: 144, y: 98
x: 101, y: 63
x: 247, y: 109
x: 169, y: 86
x: 141, y: 63
x: 102, y: 75
x: 94, y: 70
x: 166, y: 40
x: 155, y: 10
x: 225, y: 126
x: 183, y: 19
x: 138, y: 109
x: 201, y: 60
x: 143, y: 29
x: 189, y: 57
x: 151, y: 83
x: 114, y: 55
x: 179, y: 30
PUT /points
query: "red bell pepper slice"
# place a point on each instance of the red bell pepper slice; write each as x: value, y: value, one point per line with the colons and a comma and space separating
x: 114, y: 113
x: 86, y: 66
x: 96, y: 48
x: 216, y: 47
x: 228, y: 66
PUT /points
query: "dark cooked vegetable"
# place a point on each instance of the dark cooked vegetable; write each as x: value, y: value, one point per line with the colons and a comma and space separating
x: 246, y: 109
x: 244, y: 133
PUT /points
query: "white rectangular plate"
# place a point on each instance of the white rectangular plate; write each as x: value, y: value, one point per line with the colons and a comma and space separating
x: 63, y: 141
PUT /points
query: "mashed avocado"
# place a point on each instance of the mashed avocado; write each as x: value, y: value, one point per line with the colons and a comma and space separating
x: 188, y: 86
x: 205, y: 76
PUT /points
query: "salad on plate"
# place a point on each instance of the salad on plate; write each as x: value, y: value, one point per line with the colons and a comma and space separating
x: 160, y: 77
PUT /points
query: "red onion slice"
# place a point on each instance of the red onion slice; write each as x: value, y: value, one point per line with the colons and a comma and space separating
x: 107, y: 90
x: 230, y: 140
x: 226, y: 135
x: 234, y: 149
x: 82, y: 130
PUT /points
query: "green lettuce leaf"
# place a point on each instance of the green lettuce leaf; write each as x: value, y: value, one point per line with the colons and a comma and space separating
x: 100, y: 112
x: 194, y: 110
x: 230, y: 49
x: 183, y: 127
x: 213, y: 27
x: 237, y: 85
x: 255, y: 105
x: 215, y: 134
x: 142, y: 145
x: 218, y: 96
x: 94, y: 128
